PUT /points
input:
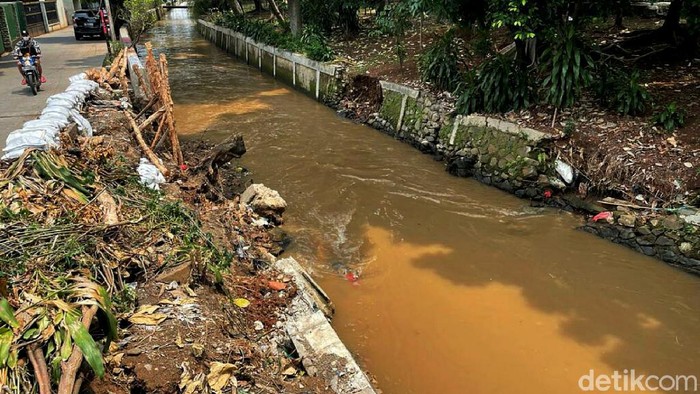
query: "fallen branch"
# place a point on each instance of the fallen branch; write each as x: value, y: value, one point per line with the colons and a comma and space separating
x: 69, y: 368
x: 144, y: 147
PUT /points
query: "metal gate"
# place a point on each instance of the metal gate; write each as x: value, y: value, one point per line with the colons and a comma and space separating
x: 35, y: 19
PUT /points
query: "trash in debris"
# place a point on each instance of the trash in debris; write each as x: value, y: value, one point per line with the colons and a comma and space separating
x: 602, y: 216
x: 150, y: 175
x: 274, y: 285
x: 241, y: 302
x: 351, y: 277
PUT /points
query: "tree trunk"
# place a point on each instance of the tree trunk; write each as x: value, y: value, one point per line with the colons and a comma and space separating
x: 236, y: 7
x: 619, y: 13
x: 275, y: 10
x: 258, y: 5
x: 673, y: 18
x: 295, y: 17
x: 521, y: 58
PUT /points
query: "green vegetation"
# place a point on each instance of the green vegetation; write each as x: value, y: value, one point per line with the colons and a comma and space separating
x: 554, y: 59
x: 499, y: 85
x: 141, y: 16
x: 566, y: 65
x: 670, y: 118
x: 440, y: 63
x: 311, y: 42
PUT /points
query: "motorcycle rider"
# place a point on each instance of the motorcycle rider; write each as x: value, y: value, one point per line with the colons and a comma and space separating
x: 28, y: 45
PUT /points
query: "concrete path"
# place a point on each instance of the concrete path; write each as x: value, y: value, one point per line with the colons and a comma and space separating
x: 63, y: 57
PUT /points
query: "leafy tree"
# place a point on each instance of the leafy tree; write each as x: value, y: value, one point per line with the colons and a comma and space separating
x: 141, y: 16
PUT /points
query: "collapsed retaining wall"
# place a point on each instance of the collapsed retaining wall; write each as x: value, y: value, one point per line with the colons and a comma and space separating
x: 515, y: 159
x: 318, y: 80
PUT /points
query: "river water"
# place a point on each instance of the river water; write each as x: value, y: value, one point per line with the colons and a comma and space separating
x: 463, y: 288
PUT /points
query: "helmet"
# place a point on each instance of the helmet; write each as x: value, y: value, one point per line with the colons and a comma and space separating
x: 25, y: 35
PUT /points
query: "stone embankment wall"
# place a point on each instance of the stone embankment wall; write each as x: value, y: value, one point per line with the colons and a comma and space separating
x: 318, y: 80
x: 498, y: 153
x: 519, y: 160
x: 515, y: 159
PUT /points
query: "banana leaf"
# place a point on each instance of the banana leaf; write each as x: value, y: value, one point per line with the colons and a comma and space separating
x: 87, y: 345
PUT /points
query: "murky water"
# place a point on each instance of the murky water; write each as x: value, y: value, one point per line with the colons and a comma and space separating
x: 463, y: 289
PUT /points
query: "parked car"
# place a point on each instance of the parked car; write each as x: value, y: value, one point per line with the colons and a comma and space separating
x: 87, y: 23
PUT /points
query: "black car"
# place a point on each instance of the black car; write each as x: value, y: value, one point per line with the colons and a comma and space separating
x: 87, y: 23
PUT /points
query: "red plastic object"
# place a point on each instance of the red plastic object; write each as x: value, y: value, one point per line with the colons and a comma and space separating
x: 351, y: 277
x: 547, y: 194
x: 602, y: 216
x: 183, y: 167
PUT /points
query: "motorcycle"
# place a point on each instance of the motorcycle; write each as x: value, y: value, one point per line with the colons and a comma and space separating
x: 31, y: 74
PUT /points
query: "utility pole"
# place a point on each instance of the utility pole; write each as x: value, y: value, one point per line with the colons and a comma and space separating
x: 112, y: 27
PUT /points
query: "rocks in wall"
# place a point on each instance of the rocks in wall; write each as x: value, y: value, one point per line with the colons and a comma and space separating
x: 668, y: 237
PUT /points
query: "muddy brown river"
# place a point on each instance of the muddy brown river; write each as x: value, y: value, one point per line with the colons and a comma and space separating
x: 463, y: 288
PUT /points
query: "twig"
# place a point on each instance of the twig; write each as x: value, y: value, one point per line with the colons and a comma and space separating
x: 70, y: 368
x: 147, y: 107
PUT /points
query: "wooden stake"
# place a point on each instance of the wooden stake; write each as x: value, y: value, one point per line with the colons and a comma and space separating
x: 156, y: 139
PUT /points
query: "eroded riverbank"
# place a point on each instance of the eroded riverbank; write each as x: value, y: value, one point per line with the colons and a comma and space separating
x: 462, y: 288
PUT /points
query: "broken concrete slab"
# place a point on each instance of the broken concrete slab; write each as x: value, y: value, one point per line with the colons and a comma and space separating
x: 322, y: 351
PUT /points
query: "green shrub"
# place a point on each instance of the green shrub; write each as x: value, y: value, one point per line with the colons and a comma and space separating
x: 619, y: 89
x: 394, y: 22
x: 499, y: 85
x: 311, y: 42
x: 670, y: 118
x: 631, y: 97
x: 315, y: 45
x: 440, y: 63
x: 482, y: 45
x: 565, y: 64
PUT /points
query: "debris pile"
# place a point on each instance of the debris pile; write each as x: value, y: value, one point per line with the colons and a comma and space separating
x: 110, y: 285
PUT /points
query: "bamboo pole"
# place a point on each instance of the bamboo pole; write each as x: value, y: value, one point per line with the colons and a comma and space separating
x: 156, y: 138
x: 146, y: 150
x: 174, y: 140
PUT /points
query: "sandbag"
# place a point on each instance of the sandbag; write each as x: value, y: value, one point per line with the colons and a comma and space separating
x: 78, y: 77
x: 83, y: 124
x: 60, y: 120
x: 61, y: 102
x: 56, y: 109
x: 41, y: 123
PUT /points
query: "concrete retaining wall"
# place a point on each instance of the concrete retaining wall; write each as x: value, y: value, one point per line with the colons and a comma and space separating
x: 316, y: 79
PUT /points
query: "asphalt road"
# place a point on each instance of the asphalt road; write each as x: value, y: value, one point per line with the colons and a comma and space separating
x: 62, y: 57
